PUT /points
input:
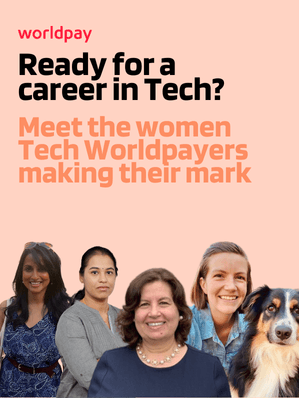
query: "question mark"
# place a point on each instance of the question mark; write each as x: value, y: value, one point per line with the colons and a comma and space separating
x: 218, y: 88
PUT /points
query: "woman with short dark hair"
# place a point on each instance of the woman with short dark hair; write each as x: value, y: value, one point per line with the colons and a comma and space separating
x: 30, y: 367
x: 155, y: 322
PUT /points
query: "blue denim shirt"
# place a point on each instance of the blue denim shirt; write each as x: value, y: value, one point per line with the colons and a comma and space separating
x: 203, y: 336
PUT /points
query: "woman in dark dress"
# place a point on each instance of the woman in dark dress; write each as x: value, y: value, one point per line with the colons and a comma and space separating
x: 30, y: 367
x: 155, y: 323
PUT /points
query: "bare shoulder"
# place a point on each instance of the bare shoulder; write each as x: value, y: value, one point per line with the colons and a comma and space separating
x: 2, y: 314
x: 3, y: 305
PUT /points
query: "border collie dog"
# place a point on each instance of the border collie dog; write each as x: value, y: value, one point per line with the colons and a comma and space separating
x: 267, y: 364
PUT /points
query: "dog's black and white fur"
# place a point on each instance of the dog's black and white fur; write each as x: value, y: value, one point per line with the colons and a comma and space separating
x: 267, y: 364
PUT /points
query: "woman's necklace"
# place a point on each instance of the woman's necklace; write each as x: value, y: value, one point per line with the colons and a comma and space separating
x: 155, y: 362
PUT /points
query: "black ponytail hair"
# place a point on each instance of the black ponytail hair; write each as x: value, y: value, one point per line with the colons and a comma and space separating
x: 93, y: 251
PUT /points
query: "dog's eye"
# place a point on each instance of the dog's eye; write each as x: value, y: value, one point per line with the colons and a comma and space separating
x: 271, y: 308
x: 296, y: 310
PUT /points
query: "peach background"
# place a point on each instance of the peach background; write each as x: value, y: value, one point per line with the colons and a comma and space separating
x: 253, y: 47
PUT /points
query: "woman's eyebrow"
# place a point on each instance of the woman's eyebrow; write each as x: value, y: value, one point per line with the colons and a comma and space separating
x: 160, y: 298
x: 225, y: 272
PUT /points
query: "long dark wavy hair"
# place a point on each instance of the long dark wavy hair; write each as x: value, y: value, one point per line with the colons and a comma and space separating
x: 93, y: 251
x: 56, y: 299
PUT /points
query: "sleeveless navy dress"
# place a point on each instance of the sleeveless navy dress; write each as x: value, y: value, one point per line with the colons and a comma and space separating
x: 33, y: 347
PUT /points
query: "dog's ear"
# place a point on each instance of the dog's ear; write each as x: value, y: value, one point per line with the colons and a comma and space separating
x: 252, y: 303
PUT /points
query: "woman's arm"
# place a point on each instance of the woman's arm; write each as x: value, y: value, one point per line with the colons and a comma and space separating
x: 74, y: 347
x: 2, y: 314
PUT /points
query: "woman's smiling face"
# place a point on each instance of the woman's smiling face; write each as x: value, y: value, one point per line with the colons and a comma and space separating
x: 226, y: 283
x: 157, y: 316
x: 35, y: 277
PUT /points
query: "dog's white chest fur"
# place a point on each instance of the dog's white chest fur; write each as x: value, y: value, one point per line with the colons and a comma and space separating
x: 274, y: 367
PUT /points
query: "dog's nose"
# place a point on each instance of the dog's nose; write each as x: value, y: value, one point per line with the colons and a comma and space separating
x: 283, y: 332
